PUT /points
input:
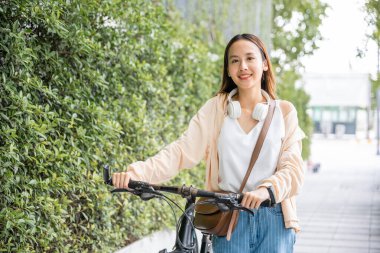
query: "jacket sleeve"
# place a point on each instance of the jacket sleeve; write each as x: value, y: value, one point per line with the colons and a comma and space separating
x: 289, y: 176
x: 185, y: 152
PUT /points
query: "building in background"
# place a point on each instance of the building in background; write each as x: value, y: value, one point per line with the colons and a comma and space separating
x: 230, y: 17
x: 339, y: 103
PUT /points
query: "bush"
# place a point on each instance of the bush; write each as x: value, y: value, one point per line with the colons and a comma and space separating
x: 84, y: 83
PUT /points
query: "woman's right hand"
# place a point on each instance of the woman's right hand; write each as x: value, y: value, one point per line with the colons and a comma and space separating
x: 121, y: 180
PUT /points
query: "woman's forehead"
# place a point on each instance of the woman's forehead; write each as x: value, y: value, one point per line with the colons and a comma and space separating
x: 243, y: 47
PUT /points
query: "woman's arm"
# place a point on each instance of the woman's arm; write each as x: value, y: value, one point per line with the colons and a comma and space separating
x: 185, y: 152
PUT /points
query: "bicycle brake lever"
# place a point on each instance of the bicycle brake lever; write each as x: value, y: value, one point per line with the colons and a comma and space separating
x: 146, y: 193
x: 143, y: 195
x: 147, y: 196
x: 247, y: 210
x: 140, y: 191
x: 223, y: 207
x: 122, y: 190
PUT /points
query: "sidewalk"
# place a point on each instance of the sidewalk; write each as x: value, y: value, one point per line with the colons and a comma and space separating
x: 339, y: 207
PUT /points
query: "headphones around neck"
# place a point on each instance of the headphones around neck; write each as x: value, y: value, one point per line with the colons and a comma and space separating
x: 259, y: 112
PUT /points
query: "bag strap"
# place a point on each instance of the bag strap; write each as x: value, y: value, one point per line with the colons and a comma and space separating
x: 255, y: 155
x: 259, y: 143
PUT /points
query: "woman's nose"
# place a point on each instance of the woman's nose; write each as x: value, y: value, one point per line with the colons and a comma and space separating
x: 243, y: 65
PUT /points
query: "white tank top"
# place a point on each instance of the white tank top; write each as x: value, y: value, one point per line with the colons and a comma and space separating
x: 235, y: 149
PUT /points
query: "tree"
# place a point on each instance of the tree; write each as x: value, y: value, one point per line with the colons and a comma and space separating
x: 295, y: 34
x: 84, y: 83
x: 372, y: 8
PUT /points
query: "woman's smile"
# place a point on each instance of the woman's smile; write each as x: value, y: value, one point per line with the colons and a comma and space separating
x: 244, y: 76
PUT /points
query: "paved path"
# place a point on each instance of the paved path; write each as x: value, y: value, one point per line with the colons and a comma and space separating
x: 339, y: 207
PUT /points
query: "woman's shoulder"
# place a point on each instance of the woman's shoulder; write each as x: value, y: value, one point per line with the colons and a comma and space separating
x: 218, y: 100
x: 286, y: 107
x: 220, y: 97
x: 293, y: 132
x: 214, y: 105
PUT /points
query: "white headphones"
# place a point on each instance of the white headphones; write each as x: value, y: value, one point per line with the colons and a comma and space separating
x: 259, y: 113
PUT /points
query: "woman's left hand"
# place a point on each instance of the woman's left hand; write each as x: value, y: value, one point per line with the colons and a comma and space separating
x: 254, y: 198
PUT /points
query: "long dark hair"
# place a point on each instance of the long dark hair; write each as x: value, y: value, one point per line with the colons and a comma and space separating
x: 267, y: 81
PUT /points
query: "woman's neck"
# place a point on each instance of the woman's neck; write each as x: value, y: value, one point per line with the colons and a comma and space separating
x: 249, y: 98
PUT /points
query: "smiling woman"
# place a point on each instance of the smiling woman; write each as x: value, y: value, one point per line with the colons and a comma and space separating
x: 214, y: 133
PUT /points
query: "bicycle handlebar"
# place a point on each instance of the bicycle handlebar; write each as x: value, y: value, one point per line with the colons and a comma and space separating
x: 140, y: 188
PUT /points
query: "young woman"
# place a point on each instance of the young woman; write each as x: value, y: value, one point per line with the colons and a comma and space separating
x: 224, y: 133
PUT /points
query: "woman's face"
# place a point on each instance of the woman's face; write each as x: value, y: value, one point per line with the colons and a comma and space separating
x: 245, y: 64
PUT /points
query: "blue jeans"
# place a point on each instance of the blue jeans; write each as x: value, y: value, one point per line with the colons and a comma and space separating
x: 264, y: 232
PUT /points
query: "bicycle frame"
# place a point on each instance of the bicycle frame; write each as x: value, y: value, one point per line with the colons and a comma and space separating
x: 186, y: 233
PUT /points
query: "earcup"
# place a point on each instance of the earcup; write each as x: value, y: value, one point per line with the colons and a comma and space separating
x: 234, y: 109
x: 260, y: 111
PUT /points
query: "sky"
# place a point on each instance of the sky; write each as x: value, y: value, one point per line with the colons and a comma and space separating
x: 344, y: 31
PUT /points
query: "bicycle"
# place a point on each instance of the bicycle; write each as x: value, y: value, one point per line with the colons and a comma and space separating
x: 186, y: 240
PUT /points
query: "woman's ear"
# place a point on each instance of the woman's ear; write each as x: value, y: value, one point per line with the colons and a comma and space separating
x: 265, y: 65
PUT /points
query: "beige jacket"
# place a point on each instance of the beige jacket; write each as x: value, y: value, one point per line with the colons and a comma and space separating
x: 200, y: 142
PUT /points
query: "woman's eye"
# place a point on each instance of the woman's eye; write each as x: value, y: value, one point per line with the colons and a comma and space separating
x: 234, y: 61
x: 251, y: 58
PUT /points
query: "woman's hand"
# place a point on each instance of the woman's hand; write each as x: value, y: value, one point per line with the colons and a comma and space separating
x: 121, y: 180
x: 254, y: 198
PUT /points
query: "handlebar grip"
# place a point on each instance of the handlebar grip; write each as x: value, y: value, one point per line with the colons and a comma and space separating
x: 240, y: 197
x: 132, y: 184
x: 265, y: 203
x: 135, y: 184
x: 106, y: 175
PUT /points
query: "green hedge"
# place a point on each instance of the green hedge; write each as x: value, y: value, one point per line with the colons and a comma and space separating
x: 84, y: 83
